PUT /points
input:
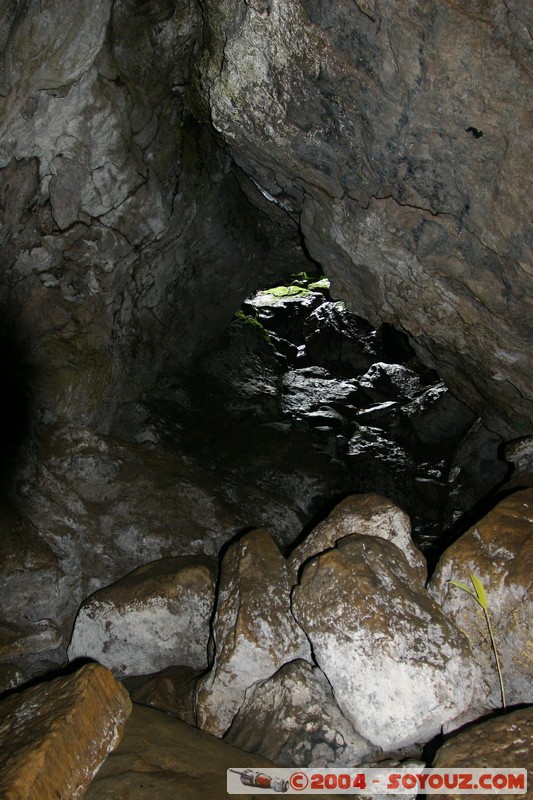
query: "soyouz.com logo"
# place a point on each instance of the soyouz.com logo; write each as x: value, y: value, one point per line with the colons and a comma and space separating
x: 399, y: 780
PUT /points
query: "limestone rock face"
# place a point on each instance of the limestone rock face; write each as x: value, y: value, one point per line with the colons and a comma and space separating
x: 402, y: 149
x: 399, y: 670
x: 254, y: 631
x: 55, y: 736
x: 29, y: 567
x: 499, y: 551
x: 506, y: 741
x: 162, y: 758
x: 367, y: 515
x: 97, y: 507
x: 114, y: 197
x: 292, y: 718
x: 156, y: 616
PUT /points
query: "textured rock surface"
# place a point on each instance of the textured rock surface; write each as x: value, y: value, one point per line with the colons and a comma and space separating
x: 55, y: 736
x: 156, y: 616
x: 399, y: 670
x: 499, y: 551
x: 163, y: 758
x: 403, y: 149
x: 292, y: 718
x: 28, y: 568
x: 171, y: 690
x: 503, y: 741
x: 254, y: 631
x: 365, y: 514
x: 98, y: 506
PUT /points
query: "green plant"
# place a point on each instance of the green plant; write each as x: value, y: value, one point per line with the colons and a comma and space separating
x: 285, y: 291
x: 246, y: 319
x: 480, y: 596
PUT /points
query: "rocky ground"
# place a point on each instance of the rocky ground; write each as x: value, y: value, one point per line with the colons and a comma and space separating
x: 313, y: 639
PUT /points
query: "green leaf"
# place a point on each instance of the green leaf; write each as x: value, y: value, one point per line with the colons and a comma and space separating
x: 463, y: 587
x: 481, y: 595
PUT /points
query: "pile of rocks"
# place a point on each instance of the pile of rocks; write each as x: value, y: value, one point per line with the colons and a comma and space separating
x: 339, y: 654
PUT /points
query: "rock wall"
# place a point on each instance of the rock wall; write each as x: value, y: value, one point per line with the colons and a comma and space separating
x: 126, y: 238
x: 398, y: 136
x: 393, y: 140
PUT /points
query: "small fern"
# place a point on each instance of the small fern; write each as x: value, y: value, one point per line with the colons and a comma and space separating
x: 480, y: 596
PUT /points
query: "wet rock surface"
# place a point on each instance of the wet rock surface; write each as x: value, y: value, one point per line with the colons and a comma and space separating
x: 366, y: 515
x: 254, y: 632
x: 163, y: 758
x: 297, y: 698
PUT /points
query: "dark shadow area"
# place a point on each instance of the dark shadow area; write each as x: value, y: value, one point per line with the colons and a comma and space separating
x: 15, y: 400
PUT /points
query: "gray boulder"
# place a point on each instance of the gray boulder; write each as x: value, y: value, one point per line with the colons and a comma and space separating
x: 398, y: 668
x: 293, y: 719
x: 156, y: 616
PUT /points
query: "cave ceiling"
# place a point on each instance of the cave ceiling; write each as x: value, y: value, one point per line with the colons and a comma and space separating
x: 159, y: 161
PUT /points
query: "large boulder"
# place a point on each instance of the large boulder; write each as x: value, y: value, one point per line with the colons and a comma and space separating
x: 55, y: 736
x: 254, y: 631
x: 156, y: 616
x: 293, y: 719
x: 499, y: 551
x: 367, y: 515
x: 398, y: 668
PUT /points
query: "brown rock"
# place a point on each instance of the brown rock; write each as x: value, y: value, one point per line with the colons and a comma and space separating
x: 254, y: 631
x: 162, y: 758
x: 499, y: 551
x: 503, y: 741
x: 171, y: 690
x: 366, y: 514
x: 55, y: 736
